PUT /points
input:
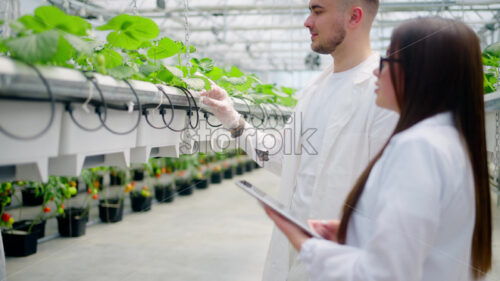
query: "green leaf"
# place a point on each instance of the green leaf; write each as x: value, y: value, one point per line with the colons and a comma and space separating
x: 146, y: 44
x: 490, y: 60
x: 493, y: 50
x: 175, y: 71
x: 17, y: 26
x: 52, y: 17
x: 184, y: 71
x: 193, y: 69
x: 234, y: 80
x: 207, y: 86
x: 121, y: 72
x: 130, y: 31
x: 33, y: 23
x: 288, y: 101
x: 64, y: 51
x: 3, y: 47
x: 35, y: 48
x: 215, y: 74
x: 80, y: 45
x: 76, y: 26
x: 123, y: 40
x: 288, y: 91
x: 196, y: 84
x: 166, y: 76
x: 112, y: 57
x: 205, y: 65
x: 165, y: 49
x: 235, y: 72
x: 147, y: 69
x: 182, y: 47
x: 245, y: 86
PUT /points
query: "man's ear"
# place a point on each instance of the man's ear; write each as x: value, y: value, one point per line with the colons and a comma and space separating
x: 356, y: 15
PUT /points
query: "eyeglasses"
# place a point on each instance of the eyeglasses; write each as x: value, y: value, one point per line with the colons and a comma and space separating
x: 382, y: 59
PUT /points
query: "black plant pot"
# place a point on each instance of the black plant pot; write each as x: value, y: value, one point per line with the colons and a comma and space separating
x: 72, y: 224
x: 30, y: 198
x: 38, y: 227
x: 164, y: 194
x: 184, y: 187
x: 240, y: 169
x: 229, y: 173
x: 116, y: 180
x: 138, y: 175
x: 200, y: 183
x: 19, y: 243
x: 249, y: 166
x: 140, y: 203
x: 216, y: 177
x: 112, y: 211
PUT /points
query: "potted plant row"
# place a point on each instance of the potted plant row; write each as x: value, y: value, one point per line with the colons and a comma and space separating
x: 20, y: 238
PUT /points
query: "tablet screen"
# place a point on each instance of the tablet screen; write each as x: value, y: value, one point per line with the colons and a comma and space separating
x: 275, y: 205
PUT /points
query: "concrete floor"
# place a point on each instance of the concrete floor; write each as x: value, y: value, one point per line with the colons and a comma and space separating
x: 216, y: 234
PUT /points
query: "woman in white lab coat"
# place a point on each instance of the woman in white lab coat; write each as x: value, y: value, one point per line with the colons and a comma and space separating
x: 421, y: 209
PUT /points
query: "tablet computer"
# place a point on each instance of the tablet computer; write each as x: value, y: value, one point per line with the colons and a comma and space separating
x: 275, y: 205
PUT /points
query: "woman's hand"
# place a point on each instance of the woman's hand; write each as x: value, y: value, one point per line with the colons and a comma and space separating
x: 327, y: 229
x: 295, y: 235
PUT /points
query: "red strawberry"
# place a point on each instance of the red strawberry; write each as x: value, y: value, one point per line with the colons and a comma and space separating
x: 5, y: 217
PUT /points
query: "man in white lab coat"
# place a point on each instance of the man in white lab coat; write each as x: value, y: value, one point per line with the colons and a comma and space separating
x: 336, y: 127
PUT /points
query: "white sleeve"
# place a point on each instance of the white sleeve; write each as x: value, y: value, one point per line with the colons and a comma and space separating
x: 269, y: 142
x: 404, y: 220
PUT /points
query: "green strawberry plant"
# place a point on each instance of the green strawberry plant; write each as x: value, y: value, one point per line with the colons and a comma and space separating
x: 6, y: 190
x: 57, y: 189
x: 491, y: 61
x: 132, y: 51
x: 49, y: 37
x: 91, y: 179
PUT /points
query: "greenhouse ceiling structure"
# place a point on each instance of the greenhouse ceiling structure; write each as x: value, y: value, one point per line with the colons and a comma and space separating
x: 269, y: 35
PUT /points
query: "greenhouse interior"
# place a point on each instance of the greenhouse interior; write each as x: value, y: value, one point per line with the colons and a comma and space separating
x: 128, y: 129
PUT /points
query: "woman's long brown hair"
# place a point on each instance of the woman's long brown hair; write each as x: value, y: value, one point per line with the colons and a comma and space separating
x: 440, y: 70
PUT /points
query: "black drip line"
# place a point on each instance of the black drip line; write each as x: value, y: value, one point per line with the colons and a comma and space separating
x: 252, y: 117
x: 172, y: 116
x: 103, y: 122
x: 52, y: 111
x: 69, y: 106
x: 206, y: 115
x: 162, y: 113
x: 190, y: 111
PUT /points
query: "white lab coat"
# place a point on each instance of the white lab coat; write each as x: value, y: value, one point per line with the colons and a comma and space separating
x: 415, y: 218
x: 3, y: 273
x: 355, y: 132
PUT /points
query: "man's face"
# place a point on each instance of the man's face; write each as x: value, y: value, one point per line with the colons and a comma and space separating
x: 326, y: 25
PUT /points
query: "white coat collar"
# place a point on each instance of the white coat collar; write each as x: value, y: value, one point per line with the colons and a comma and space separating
x: 440, y: 119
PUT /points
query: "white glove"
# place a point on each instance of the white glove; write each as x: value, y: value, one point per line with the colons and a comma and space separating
x: 221, y: 106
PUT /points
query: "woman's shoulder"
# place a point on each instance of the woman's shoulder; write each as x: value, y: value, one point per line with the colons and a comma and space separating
x: 438, y: 130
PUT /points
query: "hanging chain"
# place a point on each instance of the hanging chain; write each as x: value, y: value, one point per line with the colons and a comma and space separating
x: 133, y: 5
x: 186, y: 31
